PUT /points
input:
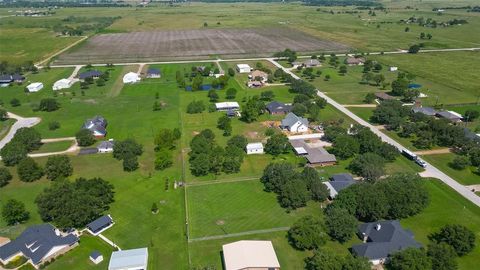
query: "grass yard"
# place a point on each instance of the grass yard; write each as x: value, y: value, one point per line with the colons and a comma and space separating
x: 78, y: 258
x: 447, y: 207
x: 54, y: 147
x: 5, y: 127
x: 226, y: 208
x: 364, y: 113
x: 467, y: 176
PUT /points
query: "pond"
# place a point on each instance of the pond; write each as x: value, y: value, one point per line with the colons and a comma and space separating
x: 414, y: 86
x: 204, y: 87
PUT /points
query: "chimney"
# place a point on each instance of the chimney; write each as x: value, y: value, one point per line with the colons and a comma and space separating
x: 378, y: 227
x: 365, y: 237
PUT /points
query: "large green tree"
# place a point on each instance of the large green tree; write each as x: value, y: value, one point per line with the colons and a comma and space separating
x: 369, y: 165
x: 458, y: 236
x: 345, y: 146
x: 58, y: 167
x: 277, y: 144
x: 409, y: 259
x: 443, y: 256
x: 5, y: 176
x: 341, y: 225
x: 13, y: 212
x: 84, y: 137
x: 307, y: 233
x: 28, y: 170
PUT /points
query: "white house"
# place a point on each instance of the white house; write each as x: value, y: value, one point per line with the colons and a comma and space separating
x: 96, y: 257
x: 62, y: 84
x: 250, y: 254
x: 131, y: 77
x: 295, y: 123
x: 131, y: 259
x: 35, y: 87
x: 106, y: 146
x: 243, y: 68
x: 393, y: 68
x: 254, y: 148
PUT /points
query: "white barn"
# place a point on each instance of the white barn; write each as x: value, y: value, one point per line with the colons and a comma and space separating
x: 243, y: 68
x: 35, y: 87
x: 131, y: 77
x: 227, y: 106
x: 131, y: 259
x: 254, y: 148
x: 62, y: 84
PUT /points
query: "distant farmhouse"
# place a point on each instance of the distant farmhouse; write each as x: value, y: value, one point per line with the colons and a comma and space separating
x: 39, y: 244
x: 250, y: 255
x: 316, y: 156
x: 243, y: 68
x: 382, y: 239
x: 307, y: 63
x: 94, y: 74
x: 153, y: 73
x: 227, y: 106
x: 294, y: 123
x: 339, y: 182
x: 97, y: 125
x: 276, y: 107
x: 424, y: 110
x: 355, y: 61
x: 131, y: 259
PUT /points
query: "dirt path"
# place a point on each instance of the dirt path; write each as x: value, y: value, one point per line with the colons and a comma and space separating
x: 433, y: 152
x: 21, y: 123
x: 38, y: 64
x: 71, y: 150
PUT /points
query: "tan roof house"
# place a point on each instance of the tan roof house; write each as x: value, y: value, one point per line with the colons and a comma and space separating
x: 258, y: 74
x: 250, y: 255
x: 351, y: 61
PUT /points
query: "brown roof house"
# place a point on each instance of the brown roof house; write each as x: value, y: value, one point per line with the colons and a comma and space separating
x: 354, y: 61
x: 257, y: 78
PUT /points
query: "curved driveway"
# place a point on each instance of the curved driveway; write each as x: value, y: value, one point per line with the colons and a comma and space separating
x: 21, y: 123
x: 430, y: 170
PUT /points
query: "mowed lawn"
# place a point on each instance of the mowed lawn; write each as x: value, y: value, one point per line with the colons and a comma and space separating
x: 226, y: 208
x: 447, y: 207
x: 467, y: 176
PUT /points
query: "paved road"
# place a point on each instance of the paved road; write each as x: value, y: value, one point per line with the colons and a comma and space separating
x: 430, y: 170
x: 21, y: 122
x: 263, y: 58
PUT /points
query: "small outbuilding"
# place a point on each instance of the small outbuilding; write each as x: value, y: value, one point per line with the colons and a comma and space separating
x: 243, y: 68
x: 393, y: 68
x: 131, y: 259
x: 153, y: 73
x: 254, y: 148
x: 131, y: 77
x: 100, y: 224
x: 62, y: 84
x: 35, y: 87
x: 227, y: 106
x: 106, y: 146
x: 96, y: 257
x: 250, y: 254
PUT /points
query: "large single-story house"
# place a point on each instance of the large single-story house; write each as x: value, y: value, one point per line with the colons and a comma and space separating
x: 355, y: 61
x: 131, y: 77
x: 294, y: 123
x: 7, y: 79
x: 106, y: 146
x: 227, y: 106
x: 450, y: 115
x: 243, y: 68
x: 254, y: 148
x: 97, y: 125
x: 95, y: 74
x: 276, y: 107
x: 35, y: 87
x: 424, y: 110
x: 39, y: 244
x: 338, y: 182
x: 316, y: 156
x: 311, y: 63
x: 62, y: 84
x: 100, y: 224
x: 153, y: 73
x: 384, y: 96
x: 258, y: 75
x: 381, y: 239
x: 96, y: 257
x: 131, y: 259
x: 250, y: 255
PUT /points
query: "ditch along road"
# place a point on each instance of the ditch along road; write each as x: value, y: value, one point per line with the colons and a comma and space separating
x: 252, y: 59
x: 430, y: 170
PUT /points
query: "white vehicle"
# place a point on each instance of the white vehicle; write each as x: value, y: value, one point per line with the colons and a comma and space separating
x: 420, y: 162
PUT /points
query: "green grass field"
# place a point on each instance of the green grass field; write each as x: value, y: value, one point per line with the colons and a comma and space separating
x: 467, y: 176
x: 54, y: 147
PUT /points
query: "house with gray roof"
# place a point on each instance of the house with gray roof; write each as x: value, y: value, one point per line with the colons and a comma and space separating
x: 100, y: 224
x: 153, y: 73
x: 131, y: 259
x: 294, y: 123
x: 339, y: 182
x: 276, y: 107
x: 39, y: 244
x: 106, y: 146
x: 425, y: 110
x: 382, y: 239
x: 450, y: 115
x: 97, y: 125
x: 311, y: 63
x: 94, y: 74
x: 316, y: 156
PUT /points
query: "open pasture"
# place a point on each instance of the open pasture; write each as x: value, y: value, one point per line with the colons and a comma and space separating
x: 183, y: 44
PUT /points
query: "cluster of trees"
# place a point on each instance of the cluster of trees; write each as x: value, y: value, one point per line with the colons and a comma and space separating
x: 195, y: 77
x: 165, y: 141
x: 369, y: 151
x: 441, y: 254
x: 323, y: 259
x: 74, y: 204
x: 307, y: 106
x: 277, y: 144
x: 128, y: 151
x: 395, y: 197
x: 28, y: 170
x: 252, y: 109
x: 99, y: 82
x: 49, y: 105
x: 89, y: 24
x: 400, y: 87
x: 5, y: 176
x: 294, y: 189
x: 230, y: 93
x: 343, y: 3
x: 24, y: 141
x: 225, y: 123
x: 12, y: 68
x: 196, y: 106
x: 85, y: 137
x: 288, y: 54
x: 14, y: 212
x: 206, y: 156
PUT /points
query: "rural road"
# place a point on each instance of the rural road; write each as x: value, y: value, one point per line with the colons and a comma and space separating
x: 262, y: 58
x: 21, y: 123
x: 430, y: 170
x: 72, y: 149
